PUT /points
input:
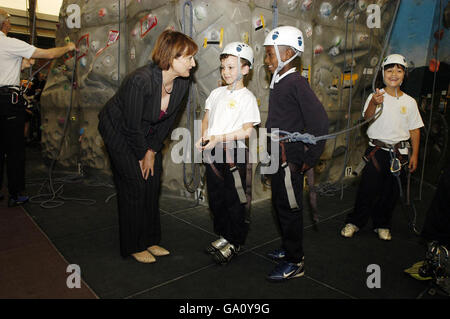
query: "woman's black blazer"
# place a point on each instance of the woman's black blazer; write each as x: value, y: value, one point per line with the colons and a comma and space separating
x: 129, y: 121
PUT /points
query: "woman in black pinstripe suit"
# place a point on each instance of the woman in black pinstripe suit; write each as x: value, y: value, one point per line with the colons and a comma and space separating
x: 134, y: 124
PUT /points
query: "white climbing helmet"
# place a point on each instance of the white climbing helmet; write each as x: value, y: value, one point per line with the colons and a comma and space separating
x: 240, y: 50
x: 395, y: 59
x: 288, y: 36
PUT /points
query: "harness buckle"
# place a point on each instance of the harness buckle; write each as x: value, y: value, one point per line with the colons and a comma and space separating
x: 233, y: 168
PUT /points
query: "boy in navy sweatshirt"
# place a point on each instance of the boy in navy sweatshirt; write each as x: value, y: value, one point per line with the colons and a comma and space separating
x: 293, y: 107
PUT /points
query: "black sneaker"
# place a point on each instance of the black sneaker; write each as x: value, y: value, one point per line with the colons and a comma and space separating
x: 286, y: 270
x: 216, y: 245
x: 225, y: 254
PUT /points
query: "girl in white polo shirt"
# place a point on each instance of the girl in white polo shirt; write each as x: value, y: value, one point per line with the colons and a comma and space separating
x: 389, y: 135
x: 231, y: 113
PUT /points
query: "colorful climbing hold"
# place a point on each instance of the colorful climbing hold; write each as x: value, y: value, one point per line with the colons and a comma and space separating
x: 434, y: 65
x: 147, y: 23
x: 102, y: 12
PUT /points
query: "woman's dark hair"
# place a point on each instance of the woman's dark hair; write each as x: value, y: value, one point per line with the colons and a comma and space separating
x: 171, y: 45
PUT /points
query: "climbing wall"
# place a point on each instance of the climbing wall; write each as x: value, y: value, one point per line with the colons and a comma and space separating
x: 116, y: 37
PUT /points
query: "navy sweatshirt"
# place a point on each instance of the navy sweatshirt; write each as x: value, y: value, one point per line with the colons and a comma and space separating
x: 294, y: 107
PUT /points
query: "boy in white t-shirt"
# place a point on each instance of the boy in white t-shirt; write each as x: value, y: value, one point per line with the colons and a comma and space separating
x: 231, y: 113
x: 389, y: 136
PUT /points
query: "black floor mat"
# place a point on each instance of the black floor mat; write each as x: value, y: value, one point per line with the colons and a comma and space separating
x: 336, y: 267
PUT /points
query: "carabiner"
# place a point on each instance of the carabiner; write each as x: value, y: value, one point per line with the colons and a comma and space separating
x: 14, y: 102
x: 395, y: 165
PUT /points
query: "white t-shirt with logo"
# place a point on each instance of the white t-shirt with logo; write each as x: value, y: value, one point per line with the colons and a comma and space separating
x: 228, y: 112
x: 11, y: 53
x: 399, y: 116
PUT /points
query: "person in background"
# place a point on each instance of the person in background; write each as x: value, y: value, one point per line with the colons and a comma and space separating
x: 14, y: 54
x: 26, y: 63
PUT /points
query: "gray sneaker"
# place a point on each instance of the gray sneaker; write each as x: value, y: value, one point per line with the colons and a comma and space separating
x: 216, y: 245
x: 225, y: 254
x: 383, y: 233
x: 349, y: 230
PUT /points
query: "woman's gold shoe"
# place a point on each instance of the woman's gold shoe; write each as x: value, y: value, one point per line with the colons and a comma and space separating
x: 158, y: 251
x: 144, y: 257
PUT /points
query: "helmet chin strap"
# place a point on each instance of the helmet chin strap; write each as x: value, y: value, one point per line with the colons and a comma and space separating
x: 281, y: 64
x: 239, y: 77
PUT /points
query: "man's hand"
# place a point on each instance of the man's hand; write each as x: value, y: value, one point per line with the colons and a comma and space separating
x: 53, y: 53
x: 26, y: 63
x: 71, y: 46
x: 147, y: 164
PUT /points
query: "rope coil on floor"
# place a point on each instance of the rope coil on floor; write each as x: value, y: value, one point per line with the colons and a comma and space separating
x: 55, y: 198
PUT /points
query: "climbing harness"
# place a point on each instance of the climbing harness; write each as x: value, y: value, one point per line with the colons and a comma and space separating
x: 13, y: 91
x: 234, y: 171
x: 245, y: 195
x: 18, y: 93
x: 397, y: 163
x: 287, y: 178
